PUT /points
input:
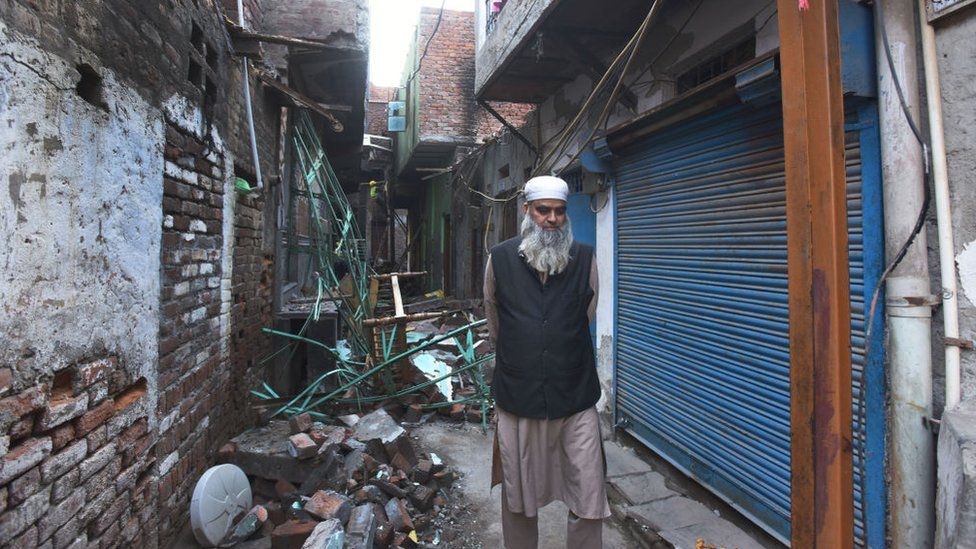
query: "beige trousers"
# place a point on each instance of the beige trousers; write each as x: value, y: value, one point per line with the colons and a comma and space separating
x: 522, y: 532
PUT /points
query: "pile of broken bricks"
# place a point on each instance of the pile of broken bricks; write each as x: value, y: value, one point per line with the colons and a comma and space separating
x: 358, y: 485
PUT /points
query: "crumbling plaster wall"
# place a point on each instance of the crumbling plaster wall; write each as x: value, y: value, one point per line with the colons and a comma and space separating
x: 79, y: 219
x: 87, y: 453
x: 957, y: 70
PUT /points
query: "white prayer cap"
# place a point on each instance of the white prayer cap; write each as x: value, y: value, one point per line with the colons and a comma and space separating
x: 546, y: 187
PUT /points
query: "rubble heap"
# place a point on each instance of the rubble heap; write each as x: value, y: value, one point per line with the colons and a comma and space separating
x: 358, y: 484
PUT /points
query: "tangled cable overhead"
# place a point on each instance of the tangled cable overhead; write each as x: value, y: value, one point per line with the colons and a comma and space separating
x: 629, y: 51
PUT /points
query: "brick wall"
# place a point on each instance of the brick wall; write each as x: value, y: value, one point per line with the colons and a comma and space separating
x: 98, y: 449
x: 376, y: 115
x: 447, y: 104
x: 250, y: 312
x: 77, y: 461
x: 190, y: 326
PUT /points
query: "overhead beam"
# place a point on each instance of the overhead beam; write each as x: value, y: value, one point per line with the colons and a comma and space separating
x: 589, y: 31
x: 301, y: 100
x: 246, y: 38
x: 822, y: 508
x: 538, y: 77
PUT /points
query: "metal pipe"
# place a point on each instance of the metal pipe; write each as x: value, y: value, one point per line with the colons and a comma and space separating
x: 940, y: 177
x: 247, y: 105
x: 912, y: 448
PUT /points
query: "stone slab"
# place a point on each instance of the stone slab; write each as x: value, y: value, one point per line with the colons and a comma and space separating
x: 377, y: 425
x: 641, y: 488
x: 622, y: 460
x: 716, y: 532
x: 671, y: 513
x: 263, y: 452
x: 956, y: 497
x: 327, y: 535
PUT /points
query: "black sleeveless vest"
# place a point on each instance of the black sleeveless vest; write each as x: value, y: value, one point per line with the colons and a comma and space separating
x: 544, y: 363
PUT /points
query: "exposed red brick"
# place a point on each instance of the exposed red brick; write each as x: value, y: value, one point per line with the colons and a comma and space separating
x: 62, y: 435
x: 130, y: 395
x: 95, y: 417
x: 22, y: 428
x: 92, y: 372
x: 20, y: 405
x: 23, y: 457
x: 292, y: 534
x: 6, y: 378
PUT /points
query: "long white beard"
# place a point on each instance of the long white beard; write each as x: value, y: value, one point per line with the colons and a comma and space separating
x: 545, y: 251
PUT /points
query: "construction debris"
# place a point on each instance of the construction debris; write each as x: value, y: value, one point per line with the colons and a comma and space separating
x: 324, y: 473
x: 362, y: 487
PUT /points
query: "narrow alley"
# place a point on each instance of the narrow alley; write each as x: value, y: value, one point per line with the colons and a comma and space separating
x: 472, y: 274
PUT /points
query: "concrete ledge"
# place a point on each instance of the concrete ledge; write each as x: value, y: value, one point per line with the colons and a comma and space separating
x: 956, y: 500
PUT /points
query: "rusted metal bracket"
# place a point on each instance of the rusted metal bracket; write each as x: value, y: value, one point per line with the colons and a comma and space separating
x: 923, y: 301
x: 959, y: 342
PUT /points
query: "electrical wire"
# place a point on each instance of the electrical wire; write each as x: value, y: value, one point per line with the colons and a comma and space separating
x: 667, y: 46
x: 606, y: 201
x: 430, y: 39
x: 605, y: 114
x: 570, y: 128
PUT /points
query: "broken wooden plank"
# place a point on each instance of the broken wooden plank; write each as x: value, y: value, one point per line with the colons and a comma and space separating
x: 397, y: 298
x: 388, y: 276
x: 244, y: 36
x: 301, y: 100
x: 405, y: 318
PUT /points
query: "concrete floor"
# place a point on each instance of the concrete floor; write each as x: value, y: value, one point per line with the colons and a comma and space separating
x: 466, y: 449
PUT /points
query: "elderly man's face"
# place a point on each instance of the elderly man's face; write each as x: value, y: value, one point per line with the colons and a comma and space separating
x: 550, y: 214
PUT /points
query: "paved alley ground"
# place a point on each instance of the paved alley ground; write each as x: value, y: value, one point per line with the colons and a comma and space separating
x: 468, y: 450
x: 651, y: 500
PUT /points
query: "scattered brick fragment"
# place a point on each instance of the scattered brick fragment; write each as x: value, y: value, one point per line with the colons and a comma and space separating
x: 300, y: 423
x: 301, y: 446
x: 326, y: 505
x: 399, y: 517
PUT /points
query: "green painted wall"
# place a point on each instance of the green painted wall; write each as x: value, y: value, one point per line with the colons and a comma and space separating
x: 406, y: 141
x: 437, y: 203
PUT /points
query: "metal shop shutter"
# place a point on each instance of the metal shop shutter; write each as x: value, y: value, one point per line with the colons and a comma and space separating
x: 703, y: 356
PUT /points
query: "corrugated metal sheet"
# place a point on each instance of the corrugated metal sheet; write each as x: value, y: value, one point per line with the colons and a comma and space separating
x: 703, y: 320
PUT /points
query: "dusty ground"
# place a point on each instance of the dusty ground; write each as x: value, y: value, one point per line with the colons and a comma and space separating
x: 477, y: 511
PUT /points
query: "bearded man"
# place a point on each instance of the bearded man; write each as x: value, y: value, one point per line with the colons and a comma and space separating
x: 540, y: 296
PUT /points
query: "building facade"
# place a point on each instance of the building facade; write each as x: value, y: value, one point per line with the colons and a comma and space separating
x: 444, y: 121
x: 682, y: 189
x: 138, y: 277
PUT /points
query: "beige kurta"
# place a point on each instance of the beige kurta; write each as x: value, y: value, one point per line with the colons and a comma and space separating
x: 539, y: 460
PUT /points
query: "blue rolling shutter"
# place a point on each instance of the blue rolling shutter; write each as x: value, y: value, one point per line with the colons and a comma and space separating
x: 703, y: 358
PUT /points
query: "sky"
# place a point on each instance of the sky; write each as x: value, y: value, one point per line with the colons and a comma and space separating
x: 392, y: 24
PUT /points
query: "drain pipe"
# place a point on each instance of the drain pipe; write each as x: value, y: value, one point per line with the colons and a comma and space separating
x: 940, y: 177
x: 247, y: 104
x: 908, y: 301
